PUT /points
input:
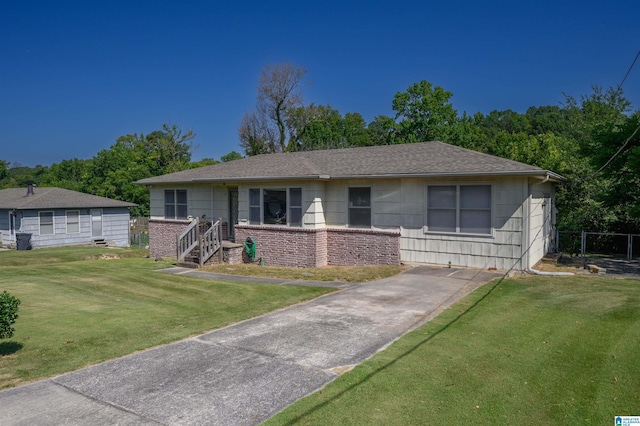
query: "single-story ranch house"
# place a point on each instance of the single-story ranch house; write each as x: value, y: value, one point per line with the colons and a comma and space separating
x: 426, y: 202
x: 58, y: 217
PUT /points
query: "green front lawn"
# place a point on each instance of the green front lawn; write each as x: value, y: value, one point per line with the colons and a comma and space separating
x: 531, y: 351
x: 83, y: 305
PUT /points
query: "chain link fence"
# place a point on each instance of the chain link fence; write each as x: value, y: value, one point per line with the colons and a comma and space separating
x: 582, y: 243
x: 139, y: 232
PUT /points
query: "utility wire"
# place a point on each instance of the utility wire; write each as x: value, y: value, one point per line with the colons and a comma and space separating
x: 634, y: 132
x: 629, y: 70
x: 618, y: 151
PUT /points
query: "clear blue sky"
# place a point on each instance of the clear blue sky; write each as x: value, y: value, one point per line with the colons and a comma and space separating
x: 76, y: 75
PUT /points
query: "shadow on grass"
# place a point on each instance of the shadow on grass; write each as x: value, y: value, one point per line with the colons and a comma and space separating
x: 392, y: 362
x: 8, y: 348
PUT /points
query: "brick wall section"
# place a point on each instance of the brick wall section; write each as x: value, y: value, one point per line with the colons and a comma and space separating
x: 162, y: 236
x: 362, y: 247
x: 285, y: 246
x: 300, y: 247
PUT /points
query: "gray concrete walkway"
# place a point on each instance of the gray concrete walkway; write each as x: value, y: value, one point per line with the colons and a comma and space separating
x: 247, y: 372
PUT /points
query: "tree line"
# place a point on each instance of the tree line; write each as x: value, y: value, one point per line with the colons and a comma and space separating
x: 112, y: 172
x: 593, y: 141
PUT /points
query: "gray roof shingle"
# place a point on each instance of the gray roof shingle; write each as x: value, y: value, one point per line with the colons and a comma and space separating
x: 54, y: 198
x: 426, y: 159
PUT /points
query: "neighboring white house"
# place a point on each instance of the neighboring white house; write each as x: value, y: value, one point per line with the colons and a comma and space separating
x: 57, y: 217
x: 427, y: 202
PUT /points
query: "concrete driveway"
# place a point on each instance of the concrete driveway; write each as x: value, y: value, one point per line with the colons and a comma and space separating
x: 247, y: 372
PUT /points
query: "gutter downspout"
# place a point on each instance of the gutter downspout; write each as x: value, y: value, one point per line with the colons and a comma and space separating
x: 546, y: 178
x: 553, y: 274
x: 526, y: 216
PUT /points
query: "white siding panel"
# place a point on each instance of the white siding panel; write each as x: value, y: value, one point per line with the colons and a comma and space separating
x: 218, y: 203
x: 499, y: 250
x: 115, y: 228
x: 156, y: 202
x: 199, y: 201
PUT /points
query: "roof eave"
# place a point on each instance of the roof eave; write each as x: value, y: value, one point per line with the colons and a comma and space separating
x: 543, y: 174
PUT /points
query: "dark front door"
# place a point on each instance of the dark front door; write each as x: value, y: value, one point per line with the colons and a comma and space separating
x: 233, y: 212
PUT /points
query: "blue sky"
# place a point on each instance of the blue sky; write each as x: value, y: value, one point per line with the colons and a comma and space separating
x: 76, y: 75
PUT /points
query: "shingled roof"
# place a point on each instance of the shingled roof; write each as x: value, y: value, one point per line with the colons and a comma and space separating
x: 426, y: 159
x: 54, y: 198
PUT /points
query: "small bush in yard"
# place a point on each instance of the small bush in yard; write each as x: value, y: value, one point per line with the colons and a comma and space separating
x: 8, y: 314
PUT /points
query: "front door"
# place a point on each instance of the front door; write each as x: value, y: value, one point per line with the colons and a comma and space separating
x: 233, y: 212
x: 96, y: 223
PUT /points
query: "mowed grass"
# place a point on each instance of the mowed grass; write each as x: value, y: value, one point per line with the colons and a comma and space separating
x: 529, y: 351
x: 353, y: 274
x: 84, y: 305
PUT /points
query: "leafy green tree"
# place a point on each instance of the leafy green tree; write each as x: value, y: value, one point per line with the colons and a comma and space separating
x: 548, y: 118
x: 4, y: 170
x: 318, y: 127
x: 382, y: 130
x: 112, y: 172
x: 170, y: 148
x: 233, y: 155
x: 202, y: 163
x: 8, y: 314
x: 355, y: 130
x: 69, y: 174
x: 468, y: 134
x: 425, y: 113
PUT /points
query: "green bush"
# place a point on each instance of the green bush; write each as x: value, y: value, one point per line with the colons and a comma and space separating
x: 8, y: 314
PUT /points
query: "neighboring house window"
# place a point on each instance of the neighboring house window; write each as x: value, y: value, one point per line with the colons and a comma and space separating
x: 73, y: 221
x: 360, y: 207
x: 270, y: 206
x: 46, y: 223
x: 175, y: 203
x: 464, y: 209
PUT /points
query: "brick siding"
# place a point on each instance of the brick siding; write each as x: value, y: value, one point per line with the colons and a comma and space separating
x: 300, y: 247
x: 362, y: 247
x: 288, y: 246
x: 162, y: 236
x: 285, y: 246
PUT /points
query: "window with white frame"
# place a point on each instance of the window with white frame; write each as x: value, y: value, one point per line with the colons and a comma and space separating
x: 360, y: 207
x: 175, y: 203
x: 464, y: 209
x: 275, y: 206
x: 73, y: 221
x: 46, y: 223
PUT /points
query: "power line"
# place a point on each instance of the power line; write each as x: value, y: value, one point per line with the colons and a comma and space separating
x: 629, y: 70
x: 618, y: 151
x: 634, y: 132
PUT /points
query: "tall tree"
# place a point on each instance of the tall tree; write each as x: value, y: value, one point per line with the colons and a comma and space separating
x: 4, y: 170
x: 112, y: 172
x: 382, y: 130
x: 265, y: 129
x: 425, y: 113
x: 170, y: 148
x: 69, y: 174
